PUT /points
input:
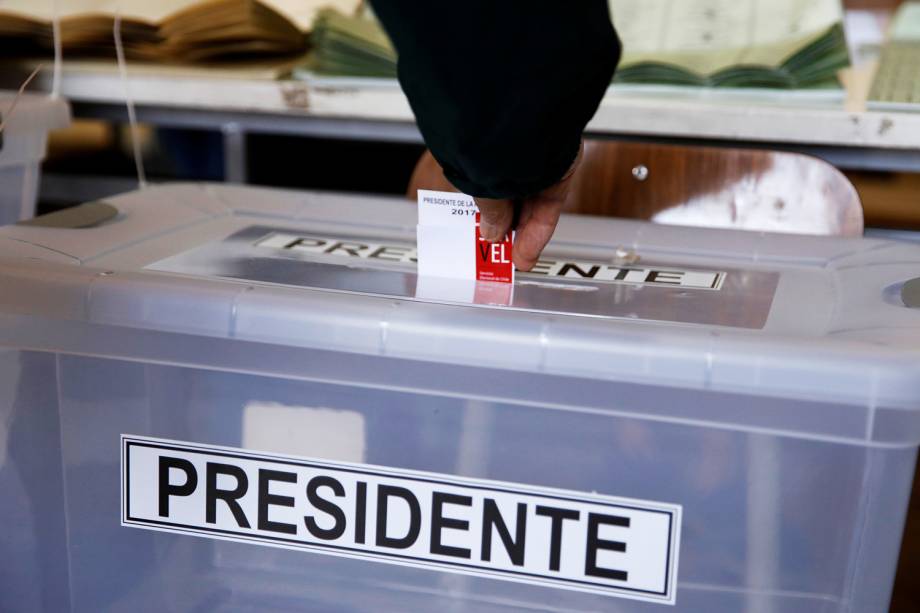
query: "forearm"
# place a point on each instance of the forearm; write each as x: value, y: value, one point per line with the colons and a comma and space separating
x: 502, y: 89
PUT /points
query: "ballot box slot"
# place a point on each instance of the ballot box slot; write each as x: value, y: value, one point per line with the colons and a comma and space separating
x: 645, y: 289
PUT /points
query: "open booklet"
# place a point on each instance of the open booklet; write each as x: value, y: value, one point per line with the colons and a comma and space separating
x: 168, y: 30
x: 723, y: 43
x: 731, y: 43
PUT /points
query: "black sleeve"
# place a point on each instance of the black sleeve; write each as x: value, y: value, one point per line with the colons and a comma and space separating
x: 502, y: 89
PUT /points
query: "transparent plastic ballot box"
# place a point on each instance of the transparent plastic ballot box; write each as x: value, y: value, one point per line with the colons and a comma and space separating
x: 241, y: 399
x: 27, y: 122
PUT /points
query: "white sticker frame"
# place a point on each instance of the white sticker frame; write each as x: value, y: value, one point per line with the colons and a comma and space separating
x: 670, y: 514
x: 548, y: 267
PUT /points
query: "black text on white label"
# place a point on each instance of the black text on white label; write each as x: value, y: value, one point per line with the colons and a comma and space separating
x: 561, y: 539
x: 653, y: 276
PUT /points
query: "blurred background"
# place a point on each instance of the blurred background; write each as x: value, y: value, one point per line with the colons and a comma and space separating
x: 313, y: 106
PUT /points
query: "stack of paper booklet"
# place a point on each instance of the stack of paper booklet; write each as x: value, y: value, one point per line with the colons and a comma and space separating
x: 354, y: 46
x: 165, y: 30
x: 896, y: 83
x: 718, y: 43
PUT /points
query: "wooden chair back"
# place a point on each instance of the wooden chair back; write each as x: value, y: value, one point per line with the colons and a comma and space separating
x: 744, y: 189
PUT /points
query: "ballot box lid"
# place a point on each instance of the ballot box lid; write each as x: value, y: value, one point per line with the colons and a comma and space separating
x: 781, y: 319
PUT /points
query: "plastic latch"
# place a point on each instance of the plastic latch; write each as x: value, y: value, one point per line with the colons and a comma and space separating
x: 82, y: 216
x: 910, y: 293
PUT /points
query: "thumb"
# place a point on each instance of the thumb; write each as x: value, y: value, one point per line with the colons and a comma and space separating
x: 495, y: 218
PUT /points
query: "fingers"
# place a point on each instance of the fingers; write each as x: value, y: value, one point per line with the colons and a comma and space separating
x: 539, y: 216
x: 495, y: 218
x: 538, y: 222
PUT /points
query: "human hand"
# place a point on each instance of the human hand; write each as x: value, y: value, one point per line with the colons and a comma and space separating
x: 537, y: 218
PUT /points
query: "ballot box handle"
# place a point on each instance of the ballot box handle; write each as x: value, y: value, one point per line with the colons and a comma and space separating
x: 86, y: 215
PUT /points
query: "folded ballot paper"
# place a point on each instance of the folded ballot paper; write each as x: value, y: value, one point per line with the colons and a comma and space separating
x: 454, y: 261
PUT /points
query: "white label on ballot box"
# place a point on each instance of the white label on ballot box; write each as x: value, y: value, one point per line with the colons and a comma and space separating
x: 546, y: 267
x: 555, y: 538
